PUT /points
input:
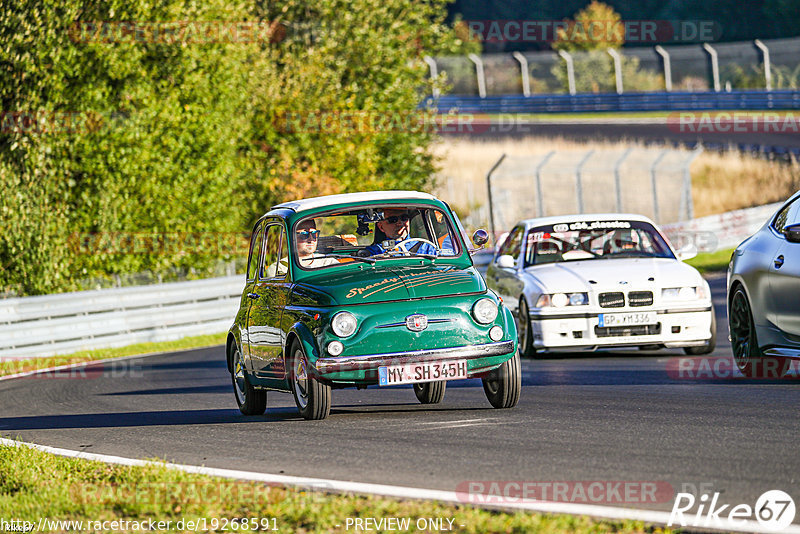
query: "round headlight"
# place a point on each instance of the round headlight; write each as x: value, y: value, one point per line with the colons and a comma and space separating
x: 485, y: 311
x: 344, y: 324
x: 578, y: 299
x: 560, y: 300
x: 335, y: 348
x: 496, y: 333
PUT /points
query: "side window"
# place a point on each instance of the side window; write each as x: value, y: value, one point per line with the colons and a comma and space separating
x: 512, y: 244
x: 788, y: 215
x: 256, y: 242
x: 271, y: 267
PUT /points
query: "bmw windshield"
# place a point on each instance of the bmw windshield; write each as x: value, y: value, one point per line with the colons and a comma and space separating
x: 594, y: 240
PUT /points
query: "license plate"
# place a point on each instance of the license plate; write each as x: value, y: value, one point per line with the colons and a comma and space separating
x: 626, y: 319
x: 412, y: 373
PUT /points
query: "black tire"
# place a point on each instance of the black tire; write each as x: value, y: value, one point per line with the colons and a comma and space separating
x: 313, y: 398
x: 430, y: 392
x: 744, y: 341
x: 503, y: 385
x: 709, y: 347
x: 251, y: 401
x: 524, y: 331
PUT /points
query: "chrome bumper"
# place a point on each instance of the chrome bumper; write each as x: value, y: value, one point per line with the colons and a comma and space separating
x: 373, y: 361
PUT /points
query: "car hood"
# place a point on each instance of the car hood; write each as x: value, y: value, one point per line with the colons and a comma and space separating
x: 388, y: 282
x: 606, y: 275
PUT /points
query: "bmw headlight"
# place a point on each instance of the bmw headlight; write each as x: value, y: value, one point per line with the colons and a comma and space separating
x: 679, y: 293
x: 560, y: 300
x: 344, y: 324
x: 485, y: 311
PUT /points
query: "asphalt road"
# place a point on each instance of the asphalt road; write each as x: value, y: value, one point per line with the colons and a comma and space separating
x: 597, y: 417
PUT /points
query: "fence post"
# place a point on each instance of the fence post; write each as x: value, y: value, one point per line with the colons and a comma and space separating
x: 667, y: 67
x: 765, y: 54
x: 687, y: 182
x: 489, y: 191
x: 539, y: 195
x: 656, y: 214
x: 578, y: 184
x: 523, y: 70
x: 714, y: 65
x: 434, y: 74
x: 617, y: 68
x: 617, y: 180
x: 479, y: 73
x: 570, y: 70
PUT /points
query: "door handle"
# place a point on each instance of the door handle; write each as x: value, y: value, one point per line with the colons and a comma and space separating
x: 253, y: 296
x: 779, y: 261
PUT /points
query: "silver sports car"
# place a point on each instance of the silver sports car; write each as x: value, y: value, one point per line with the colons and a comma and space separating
x: 764, y: 295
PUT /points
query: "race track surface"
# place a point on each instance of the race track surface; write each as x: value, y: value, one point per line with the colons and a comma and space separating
x: 595, y: 417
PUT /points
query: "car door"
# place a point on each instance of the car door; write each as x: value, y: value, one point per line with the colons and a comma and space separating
x: 268, y: 297
x: 784, y: 274
x: 254, y: 260
x: 504, y: 279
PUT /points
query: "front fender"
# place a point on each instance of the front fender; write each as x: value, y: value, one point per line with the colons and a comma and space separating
x: 510, y: 326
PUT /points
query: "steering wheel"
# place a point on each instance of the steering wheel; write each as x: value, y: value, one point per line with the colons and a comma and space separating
x: 401, y: 245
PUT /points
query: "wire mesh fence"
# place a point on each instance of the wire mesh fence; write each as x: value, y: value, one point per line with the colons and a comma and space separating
x: 768, y: 64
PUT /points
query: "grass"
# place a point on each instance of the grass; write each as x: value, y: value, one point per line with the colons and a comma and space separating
x: 708, y: 262
x: 721, y: 182
x: 35, y: 485
x: 10, y: 367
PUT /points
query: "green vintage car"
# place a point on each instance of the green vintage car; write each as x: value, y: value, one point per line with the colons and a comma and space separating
x: 367, y: 289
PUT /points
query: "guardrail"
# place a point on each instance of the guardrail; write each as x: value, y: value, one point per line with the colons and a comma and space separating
x: 67, y: 322
x: 657, y: 101
x: 722, y: 231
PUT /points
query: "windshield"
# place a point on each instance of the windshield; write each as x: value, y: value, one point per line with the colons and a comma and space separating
x: 598, y: 240
x: 373, y: 233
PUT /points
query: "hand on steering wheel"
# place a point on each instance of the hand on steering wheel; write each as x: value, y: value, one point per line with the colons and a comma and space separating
x: 401, y: 245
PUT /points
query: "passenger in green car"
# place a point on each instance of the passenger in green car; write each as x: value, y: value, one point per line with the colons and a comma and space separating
x: 306, y: 237
x: 394, y: 229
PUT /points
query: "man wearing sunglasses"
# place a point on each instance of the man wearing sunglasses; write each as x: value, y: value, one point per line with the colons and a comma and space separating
x: 306, y: 237
x: 394, y: 229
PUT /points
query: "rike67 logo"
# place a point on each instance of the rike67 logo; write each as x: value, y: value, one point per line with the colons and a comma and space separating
x: 774, y: 510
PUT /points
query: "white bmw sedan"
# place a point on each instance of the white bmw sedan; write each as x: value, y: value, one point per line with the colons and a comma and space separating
x: 583, y: 282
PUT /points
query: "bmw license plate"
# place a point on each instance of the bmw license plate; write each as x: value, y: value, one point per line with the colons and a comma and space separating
x: 412, y: 373
x: 626, y: 319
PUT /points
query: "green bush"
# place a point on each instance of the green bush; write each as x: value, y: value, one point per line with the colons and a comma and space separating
x: 185, y: 139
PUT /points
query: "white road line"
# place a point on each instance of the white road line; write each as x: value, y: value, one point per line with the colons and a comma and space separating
x: 402, y: 492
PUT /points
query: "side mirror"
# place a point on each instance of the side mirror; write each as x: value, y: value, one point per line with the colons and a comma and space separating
x: 506, y: 262
x: 792, y: 233
x: 480, y: 237
x: 686, y: 252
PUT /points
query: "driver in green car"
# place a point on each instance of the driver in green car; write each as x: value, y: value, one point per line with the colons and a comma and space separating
x: 394, y: 229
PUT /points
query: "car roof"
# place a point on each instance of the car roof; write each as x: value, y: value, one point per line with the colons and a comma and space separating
x: 584, y: 217
x: 346, y: 198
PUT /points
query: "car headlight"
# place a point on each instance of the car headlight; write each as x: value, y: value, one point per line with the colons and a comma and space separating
x: 485, y: 311
x: 344, y: 324
x: 559, y: 300
x: 679, y: 293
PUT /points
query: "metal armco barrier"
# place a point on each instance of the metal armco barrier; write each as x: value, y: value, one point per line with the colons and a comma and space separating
x: 722, y: 231
x: 656, y: 101
x: 68, y: 322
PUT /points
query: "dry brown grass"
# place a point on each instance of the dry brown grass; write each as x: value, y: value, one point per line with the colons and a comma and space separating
x: 720, y: 181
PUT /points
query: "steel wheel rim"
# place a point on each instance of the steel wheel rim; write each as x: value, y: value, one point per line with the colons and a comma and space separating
x: 240, y: 387
x: 300, y: 380
x: 741, y: 330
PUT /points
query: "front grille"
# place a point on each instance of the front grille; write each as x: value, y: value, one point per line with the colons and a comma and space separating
x: 612, y: 300
x: 619, y: 331
x: 640, y: 298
